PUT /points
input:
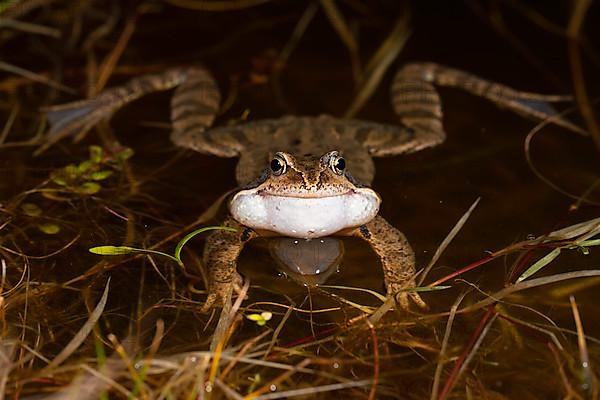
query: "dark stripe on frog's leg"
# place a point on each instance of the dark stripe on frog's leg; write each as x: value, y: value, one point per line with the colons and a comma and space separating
x: 194, y: 106
x: 221, y: 252
x: 364, y: 231
x: 247, y: 234
x: 76, y: 118
x: 397, y: 259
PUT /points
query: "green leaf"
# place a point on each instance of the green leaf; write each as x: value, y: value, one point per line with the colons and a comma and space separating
x: 541, y: 263
x: 89, y: 188
x: 122, y: 250
x: 31, y: 209
x: 190, y: 235
x: 113, y: 250
x: 70, y: 172
x: 589, y: 243
x: 96, y: 153
x: 49, y: 229
x: 53, y: 195
x: 84, y: 166
x: 426, y: 288
x: 260, y: 319
x: 58, y: 177
x: 100, y: 175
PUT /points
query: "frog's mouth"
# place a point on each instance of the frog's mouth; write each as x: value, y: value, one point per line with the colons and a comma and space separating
x: 309, y: 215
x: 305, y: 194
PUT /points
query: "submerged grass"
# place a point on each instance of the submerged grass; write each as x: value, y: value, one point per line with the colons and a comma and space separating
x: 65, y: 335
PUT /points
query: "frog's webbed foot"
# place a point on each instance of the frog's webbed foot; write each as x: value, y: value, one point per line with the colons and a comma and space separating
x: 77, y: 118
x: 397, y: 259
x: 221, y: 252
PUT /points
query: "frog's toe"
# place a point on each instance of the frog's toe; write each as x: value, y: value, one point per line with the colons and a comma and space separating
x: 213, y: 300
x: 217, y: 296
x: 414, y: 296
x: 404, y: 298
x: 237, y: 282
x: 402, y: 301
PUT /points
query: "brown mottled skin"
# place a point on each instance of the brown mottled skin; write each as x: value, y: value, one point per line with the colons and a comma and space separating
x: 306, y: 140
x: 221, y: 252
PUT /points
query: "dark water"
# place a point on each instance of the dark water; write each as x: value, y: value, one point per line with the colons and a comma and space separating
x: 424, y: 195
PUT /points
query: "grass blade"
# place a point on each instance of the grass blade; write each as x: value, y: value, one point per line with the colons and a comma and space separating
x: 541, y: 263
x: 447, y: 240
x: 83, y: 332
x: 191, y: 235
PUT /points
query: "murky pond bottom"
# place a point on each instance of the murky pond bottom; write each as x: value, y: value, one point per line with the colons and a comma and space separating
x: 79, y: 324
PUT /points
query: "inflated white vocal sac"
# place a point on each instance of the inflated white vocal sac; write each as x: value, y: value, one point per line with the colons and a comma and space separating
x: 304, y: 217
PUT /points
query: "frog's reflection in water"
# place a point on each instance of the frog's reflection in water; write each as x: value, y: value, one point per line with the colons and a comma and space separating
x: 308, y: 262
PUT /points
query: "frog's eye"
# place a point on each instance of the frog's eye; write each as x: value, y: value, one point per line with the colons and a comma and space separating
x: 338, y: 165
x: 278, y: 165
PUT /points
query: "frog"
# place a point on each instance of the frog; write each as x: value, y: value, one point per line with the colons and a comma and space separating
x: 304, y: 177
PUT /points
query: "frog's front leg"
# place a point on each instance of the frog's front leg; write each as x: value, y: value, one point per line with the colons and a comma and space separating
x: 221, y: 253
x: 397, y: 258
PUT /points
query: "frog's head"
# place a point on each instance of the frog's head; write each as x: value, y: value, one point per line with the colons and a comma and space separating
x: 305, y: 196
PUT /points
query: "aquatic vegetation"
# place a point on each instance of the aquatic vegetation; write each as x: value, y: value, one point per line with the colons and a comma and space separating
x: 511, y: 280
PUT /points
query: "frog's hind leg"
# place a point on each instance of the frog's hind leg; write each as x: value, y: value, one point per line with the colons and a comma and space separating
x: 194, y: 106
x: 418, y: 105
x: 527, y: 104
x: 77, y: 118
